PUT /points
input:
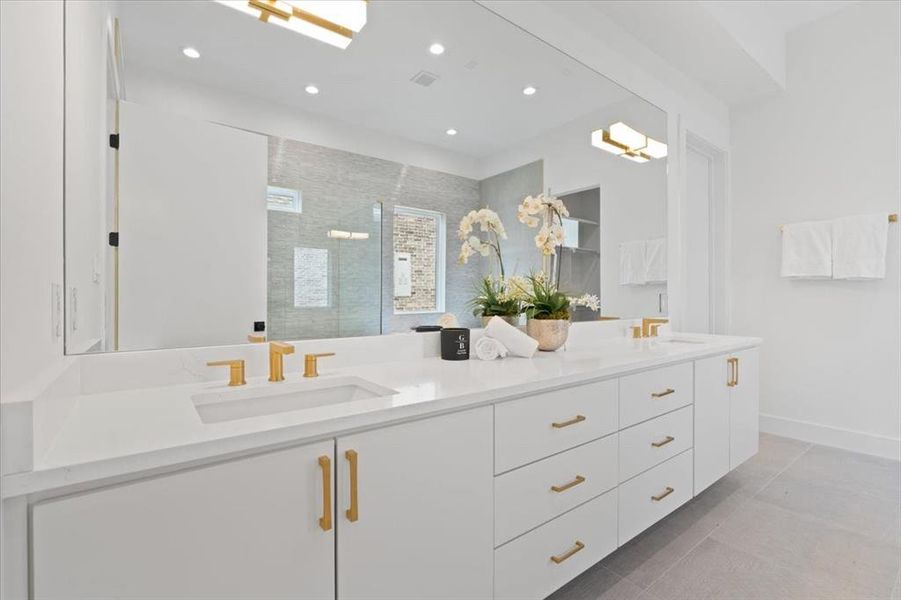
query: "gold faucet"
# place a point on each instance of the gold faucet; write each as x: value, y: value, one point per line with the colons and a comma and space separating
x: 310, y: 363
x: 235, y: 371
x: 649, y: 327
x: 277, y: 352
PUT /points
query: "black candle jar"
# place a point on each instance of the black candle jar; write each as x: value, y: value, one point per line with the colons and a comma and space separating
x: 455, y: 343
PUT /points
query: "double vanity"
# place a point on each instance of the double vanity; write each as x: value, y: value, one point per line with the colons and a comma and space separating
x: 414, y: 478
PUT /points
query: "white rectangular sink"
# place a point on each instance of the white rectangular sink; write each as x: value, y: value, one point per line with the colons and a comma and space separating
x: 680, y: 341
x: 232, y: 404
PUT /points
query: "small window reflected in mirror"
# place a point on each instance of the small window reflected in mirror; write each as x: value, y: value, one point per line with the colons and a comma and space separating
x: 418, y: 260
x: 283, y: 199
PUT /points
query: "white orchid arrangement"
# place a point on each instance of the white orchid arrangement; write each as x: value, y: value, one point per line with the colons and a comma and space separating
x: 542, y: 299
x: 489, y: 224
x: 548, y: 212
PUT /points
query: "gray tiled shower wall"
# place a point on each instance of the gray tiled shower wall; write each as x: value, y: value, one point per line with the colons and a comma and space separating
x: 339, y: 191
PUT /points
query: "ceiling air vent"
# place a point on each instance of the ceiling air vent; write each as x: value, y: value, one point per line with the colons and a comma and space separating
x: 424, y: 78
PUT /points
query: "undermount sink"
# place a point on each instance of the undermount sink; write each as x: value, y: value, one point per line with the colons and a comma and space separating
x: 233, y: 404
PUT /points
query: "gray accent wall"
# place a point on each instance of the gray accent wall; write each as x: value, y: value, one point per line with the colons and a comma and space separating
x: 339, y: 190
x: 503, y: 193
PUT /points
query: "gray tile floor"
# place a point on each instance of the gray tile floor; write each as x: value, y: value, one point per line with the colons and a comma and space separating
x: 797, y: 521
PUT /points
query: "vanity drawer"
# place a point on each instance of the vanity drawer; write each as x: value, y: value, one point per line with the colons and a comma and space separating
x: 654, y: 494
x: 532, y: 428
x: 650, y: 443
x: 524, y: 569
x: 645, y: 395
x: 536, y: 493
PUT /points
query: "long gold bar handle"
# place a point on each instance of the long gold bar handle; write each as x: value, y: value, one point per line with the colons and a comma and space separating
x: 663, y: 495
x: 731, y: 382
x: 353, y: 513
x: 663, y: 442
x: 735, y: 379
x: 560, y: 558
x: 573, y: 421
x: 562, y: 488
x: 665, y: 392
x: 325, y: 521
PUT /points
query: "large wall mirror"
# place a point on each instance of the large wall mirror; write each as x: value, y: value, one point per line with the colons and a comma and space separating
x: 234, y: 167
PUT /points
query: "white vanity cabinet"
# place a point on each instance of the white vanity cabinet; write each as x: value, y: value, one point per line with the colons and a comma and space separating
x: 421, y: 525
x: 726, y: 414
x: 248, y: 528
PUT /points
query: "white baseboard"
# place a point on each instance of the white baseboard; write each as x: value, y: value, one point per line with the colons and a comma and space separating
x: 847, y: 439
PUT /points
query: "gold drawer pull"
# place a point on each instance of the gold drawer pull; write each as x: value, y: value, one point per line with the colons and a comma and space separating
x: 325, y: 521
x: 559, y: 559
x: 665, y: 392
x: 573, y: 421
x: 562, y: 488
x: 660, y: 497
x: 663, y: 442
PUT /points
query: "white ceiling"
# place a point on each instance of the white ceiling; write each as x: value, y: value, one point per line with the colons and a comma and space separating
x: 735, y: 49
x: 481, y: 75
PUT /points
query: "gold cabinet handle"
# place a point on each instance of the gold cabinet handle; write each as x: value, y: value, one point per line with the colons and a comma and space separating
x: 663, y: 442
x: 561, y: 557
x: 733, y: 372
x: 663, y: 494
x: 325, y: 521
x: 562, y: 488
x: 665, y: 392
x: 353, y: 513
x: 573, y: 421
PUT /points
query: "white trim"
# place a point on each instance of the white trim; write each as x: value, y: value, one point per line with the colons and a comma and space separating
x: 847, y: 439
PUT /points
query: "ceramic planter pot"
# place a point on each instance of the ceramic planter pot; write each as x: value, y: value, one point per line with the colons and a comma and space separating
x: 511, y: 319
x: 549, y: 333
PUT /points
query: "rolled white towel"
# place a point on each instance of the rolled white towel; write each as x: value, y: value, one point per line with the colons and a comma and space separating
x: 489, y: 349
x: 514, y: 340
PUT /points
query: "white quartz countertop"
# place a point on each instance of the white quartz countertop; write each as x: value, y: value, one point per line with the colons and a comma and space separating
x: 112, y: 435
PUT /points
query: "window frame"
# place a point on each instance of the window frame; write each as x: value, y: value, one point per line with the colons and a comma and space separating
x: 296, y: 206
x: 440, y: 257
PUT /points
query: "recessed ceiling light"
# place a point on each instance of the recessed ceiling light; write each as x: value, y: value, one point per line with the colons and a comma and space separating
x: 190, y: 52
x: 529, y: 90
x: 436, y: 49
x: 451, y: 132
x: 311, y: 90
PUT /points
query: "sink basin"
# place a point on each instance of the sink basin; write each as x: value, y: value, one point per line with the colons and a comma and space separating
x: 232, y: 404
x: 680, y: 341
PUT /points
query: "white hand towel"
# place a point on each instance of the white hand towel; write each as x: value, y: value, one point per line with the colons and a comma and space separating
x: 807, y: 250
x: 655, y: 261
x: 488, y: 348
x: 632, y: 266
x: 514, y: 340
x: 859, y: 246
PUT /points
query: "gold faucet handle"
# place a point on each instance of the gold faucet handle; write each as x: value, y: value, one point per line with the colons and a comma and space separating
x: 310, y: 364
x: 235, y: 372
x: 281, y: 348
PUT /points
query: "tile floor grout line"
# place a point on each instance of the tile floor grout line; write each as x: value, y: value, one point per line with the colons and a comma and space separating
x: 731, y: 513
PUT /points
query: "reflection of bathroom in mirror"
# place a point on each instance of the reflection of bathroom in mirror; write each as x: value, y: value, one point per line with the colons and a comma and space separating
x: 266, y: 183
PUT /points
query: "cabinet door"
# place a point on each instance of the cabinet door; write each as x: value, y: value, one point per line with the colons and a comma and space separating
x: 421, y: 525
x: 248, y: 528
x: 711, y: 441
x: 745, y: 421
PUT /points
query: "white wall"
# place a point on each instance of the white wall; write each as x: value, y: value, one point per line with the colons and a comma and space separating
x: 829, y: 146
x: 633, y: 195
x: 31, y: 188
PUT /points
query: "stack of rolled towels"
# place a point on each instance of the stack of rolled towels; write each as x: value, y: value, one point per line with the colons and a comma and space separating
x: 501, y: 338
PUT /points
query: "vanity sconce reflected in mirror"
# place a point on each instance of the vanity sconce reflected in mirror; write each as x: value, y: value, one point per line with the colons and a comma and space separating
x: 290, y: 170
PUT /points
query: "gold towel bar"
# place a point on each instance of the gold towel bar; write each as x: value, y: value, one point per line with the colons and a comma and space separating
x: 892, y: 218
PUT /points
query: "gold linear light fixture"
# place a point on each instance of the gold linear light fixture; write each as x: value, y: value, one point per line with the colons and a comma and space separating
x: 331, y: 21
x: 627, y: 143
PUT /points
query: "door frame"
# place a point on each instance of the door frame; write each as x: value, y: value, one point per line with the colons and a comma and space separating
x: 719, y: 241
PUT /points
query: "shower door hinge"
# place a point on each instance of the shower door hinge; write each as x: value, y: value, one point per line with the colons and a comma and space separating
x: 114, y: 239
x: 114, y: 140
